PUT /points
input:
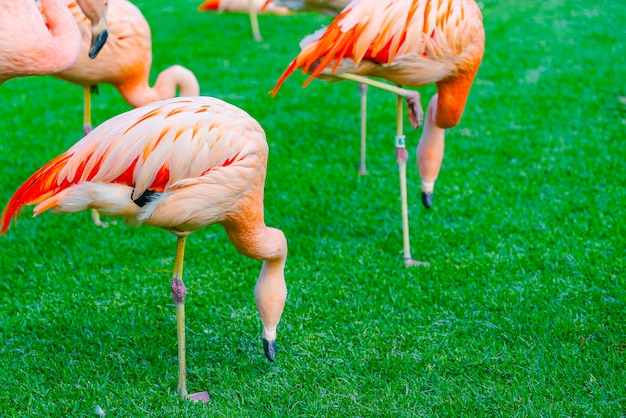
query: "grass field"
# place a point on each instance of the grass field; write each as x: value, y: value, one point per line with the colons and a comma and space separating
x: 522, y: 311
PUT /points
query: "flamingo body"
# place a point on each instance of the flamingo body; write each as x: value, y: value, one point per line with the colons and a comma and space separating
x: 28, y: 46
x: 178, y: 164
x: 44, y: 41
x: 177, y: 149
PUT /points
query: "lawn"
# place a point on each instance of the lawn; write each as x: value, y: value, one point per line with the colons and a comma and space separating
x: 522, y: 311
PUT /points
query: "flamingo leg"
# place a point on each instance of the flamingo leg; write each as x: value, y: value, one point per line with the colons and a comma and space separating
x: 87, y: 110
x: 87, y: 127
x: 402, y: 156
x: 254, y: 21
x: 179, y: 292
x: 362, y: 166
x: 416, y: 114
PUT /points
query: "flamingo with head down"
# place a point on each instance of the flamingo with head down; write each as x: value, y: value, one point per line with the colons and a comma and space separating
x: 252, y: 7
x: 179, y: 164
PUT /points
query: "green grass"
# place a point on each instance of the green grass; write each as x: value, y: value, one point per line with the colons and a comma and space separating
x: 522, y: 311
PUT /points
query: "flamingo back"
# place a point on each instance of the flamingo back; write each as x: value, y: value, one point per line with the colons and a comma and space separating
x: 162, y: 147
x: 373, y: 37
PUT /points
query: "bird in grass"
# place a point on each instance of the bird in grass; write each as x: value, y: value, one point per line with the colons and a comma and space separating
x: 252, y: 7
x: 39, y: 42
x: 125, y: 63
x: 327, y: 7
x: 178, y: 164
x: 409, y: 43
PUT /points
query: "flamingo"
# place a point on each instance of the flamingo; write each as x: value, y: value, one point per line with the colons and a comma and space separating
x: 252, y: 7
x: 410, y: 43
x: 124, y: 63
x: 327, y: 7
x: 178, y: 164
x: 34, y: 42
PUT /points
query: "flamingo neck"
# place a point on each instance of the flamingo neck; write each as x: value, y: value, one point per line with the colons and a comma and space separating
x: 176, y: 77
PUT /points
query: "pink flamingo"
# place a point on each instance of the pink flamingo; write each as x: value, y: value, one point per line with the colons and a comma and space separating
x: 125, y: 62
x: 327, y: 7
x: 252, y: 7
x: 410, y: 43
x: 38, y: 43
x: 178, y: 164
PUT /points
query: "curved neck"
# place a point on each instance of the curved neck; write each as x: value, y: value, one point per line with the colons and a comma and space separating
x: 175, y: 78
x: 167, y: 83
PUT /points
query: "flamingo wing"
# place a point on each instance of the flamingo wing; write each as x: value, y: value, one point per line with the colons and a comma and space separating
x: 381, y: 31
x: 158, y: 147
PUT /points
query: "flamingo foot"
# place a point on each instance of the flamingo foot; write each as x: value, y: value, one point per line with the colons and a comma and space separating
x: 414, y: 107
x: 362, y: 169
x: 95, y: 217
x: 270, y: 349
x: 200, y: 396
x: 409, y: 262
x: 427, y: 199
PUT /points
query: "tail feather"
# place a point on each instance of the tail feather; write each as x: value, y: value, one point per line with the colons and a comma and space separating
x: 40, y: 186
x: 209, y: 5
x: 329, y: 44
x: 368, y: 30
x: 292, y: 67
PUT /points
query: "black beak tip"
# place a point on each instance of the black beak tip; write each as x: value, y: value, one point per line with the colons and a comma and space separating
x: 270, y: 349
x: 427, y: 200
x: 97, y: 43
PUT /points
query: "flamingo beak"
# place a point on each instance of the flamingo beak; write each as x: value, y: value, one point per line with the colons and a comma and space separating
x: 99, y: 35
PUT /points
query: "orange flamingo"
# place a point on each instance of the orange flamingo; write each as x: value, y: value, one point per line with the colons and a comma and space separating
x: 178, y: 164
x: 410, y: 43
x: 124, y: 63
x: 327, y: 7
x: 34, y: 42
x: 252, y: 7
